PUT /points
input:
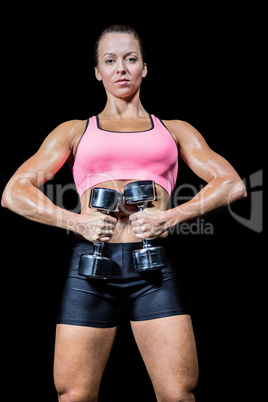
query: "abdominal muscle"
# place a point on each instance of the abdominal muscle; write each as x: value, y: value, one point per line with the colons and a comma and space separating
x: 123, y: 230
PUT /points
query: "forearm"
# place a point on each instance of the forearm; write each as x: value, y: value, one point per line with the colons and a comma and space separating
x: 215, y: 195
x: 27, y: 200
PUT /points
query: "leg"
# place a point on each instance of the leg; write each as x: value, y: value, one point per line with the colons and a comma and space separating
x: 81, y: 354
x: 167, y: 346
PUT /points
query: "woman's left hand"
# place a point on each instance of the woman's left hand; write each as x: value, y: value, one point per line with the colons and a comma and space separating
x: 149, y: 223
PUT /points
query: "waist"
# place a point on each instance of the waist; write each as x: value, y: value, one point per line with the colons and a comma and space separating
x: 123, y: 230
x: 113, y: 246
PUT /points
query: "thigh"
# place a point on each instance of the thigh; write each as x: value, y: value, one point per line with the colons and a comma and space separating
x: 81, y: 354
x: 168, y: 348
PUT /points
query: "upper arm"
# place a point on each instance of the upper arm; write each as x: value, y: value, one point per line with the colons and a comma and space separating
x: 196, y: 153
x: 52, y: 154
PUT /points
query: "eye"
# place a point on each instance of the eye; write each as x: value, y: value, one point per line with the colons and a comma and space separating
x: 132, y: 59
x: 109, y: 61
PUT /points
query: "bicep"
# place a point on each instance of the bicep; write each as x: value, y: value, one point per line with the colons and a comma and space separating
x: 200, y: 158
x: 50, y: 157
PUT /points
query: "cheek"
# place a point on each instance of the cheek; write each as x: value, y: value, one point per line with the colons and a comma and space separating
x: 136, y: 75
x: 106, y: 75
x: 137, y: 72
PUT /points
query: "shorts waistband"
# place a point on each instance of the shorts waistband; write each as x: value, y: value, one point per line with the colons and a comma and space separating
x: 124, y: 246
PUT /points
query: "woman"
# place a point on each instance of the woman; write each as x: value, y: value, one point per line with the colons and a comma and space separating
x: 122, y: 144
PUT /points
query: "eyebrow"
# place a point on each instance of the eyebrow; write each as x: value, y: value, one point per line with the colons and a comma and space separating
x: 127, y: 54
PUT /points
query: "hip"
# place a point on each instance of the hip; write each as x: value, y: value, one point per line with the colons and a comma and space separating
x: 121, y: 253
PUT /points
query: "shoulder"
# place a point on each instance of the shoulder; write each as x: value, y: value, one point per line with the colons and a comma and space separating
x: 183, y: 132
x: 67, y: 133
x: 70, y: 129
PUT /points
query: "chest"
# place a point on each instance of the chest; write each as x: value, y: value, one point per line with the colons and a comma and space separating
x: 126, y: 149
x: 125, y: 126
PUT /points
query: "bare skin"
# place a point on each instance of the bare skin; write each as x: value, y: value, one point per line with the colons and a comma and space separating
x: 81, y: 354
x: 167, y: 345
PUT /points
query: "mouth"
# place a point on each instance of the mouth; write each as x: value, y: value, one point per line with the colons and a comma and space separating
x: 122, y: 81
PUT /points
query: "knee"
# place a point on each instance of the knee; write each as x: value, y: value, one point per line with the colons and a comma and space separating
x: 179, y: 396
x: 182, y: 398
x: 185, y: 397
x: 76, y: 396
x: 75, y: 391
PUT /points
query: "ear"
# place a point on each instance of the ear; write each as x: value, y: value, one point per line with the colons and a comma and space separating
x: 97, y: 74
x: 145, y: 71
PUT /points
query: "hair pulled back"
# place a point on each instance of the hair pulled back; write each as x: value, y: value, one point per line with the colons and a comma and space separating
x: 120, y: 29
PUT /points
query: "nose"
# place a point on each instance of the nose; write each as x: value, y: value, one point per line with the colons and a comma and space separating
x: 121, y: 69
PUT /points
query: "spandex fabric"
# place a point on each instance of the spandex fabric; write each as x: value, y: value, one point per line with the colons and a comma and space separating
x: 107, y: 156
x: 135, y: 296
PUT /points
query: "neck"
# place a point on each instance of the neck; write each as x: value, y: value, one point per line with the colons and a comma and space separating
x: 123, y: 108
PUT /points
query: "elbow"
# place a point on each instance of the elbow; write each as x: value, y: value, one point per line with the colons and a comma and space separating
x: 5, y: 199
x: 13, y: 192
x: 9, y: 196
x: 244, y: 193
x: 4, y: 202
x: 237, y: 190
x: 241, y: 189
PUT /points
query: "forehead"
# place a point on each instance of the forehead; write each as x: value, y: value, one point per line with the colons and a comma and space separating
x: 118, y: 43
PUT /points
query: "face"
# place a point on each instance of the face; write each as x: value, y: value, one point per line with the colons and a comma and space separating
x: 120, y: 65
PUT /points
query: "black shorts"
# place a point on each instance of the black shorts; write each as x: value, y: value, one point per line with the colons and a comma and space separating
x: 137, y: 296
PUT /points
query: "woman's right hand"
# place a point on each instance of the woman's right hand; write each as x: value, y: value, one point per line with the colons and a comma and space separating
x: 95, y: 226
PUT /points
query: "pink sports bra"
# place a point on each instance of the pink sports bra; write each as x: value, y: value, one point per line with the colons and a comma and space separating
x: 104, y: 155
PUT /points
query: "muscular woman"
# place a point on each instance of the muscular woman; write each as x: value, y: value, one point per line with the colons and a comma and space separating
x: 123, y: 143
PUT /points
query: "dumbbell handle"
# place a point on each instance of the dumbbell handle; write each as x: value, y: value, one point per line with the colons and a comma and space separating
x: 146, y: 242
x: 98, y: 245
x: 97, y: 248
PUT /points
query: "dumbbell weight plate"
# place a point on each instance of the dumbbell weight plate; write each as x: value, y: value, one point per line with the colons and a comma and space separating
x: 149, y: 259
x: 105, y: 199
x: 93, y: 266
x: 140, y: 191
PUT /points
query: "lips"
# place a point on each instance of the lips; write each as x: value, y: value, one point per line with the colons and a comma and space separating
x: 122, y: 81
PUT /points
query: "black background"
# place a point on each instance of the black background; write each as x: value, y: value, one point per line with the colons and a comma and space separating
x: 204, y: 67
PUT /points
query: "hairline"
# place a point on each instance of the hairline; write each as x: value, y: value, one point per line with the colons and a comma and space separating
x: 131, y: 32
